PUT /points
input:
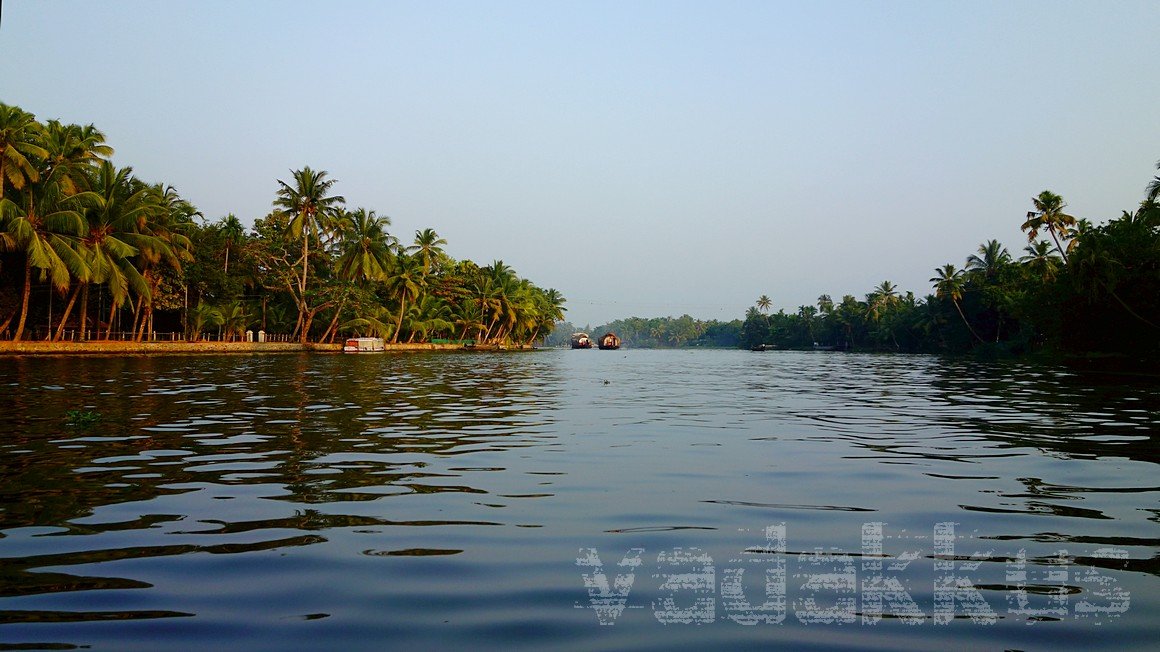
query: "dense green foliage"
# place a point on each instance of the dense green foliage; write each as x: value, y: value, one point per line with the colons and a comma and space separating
x: 85, y: 242
x: 1087, y: 290
x: 1077, y: 288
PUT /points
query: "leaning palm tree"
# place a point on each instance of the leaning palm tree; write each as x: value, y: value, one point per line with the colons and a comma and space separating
x: 310, y: 206
x: 20, y: 148
x: 1048, y: 214
x: 949, y: 283
x: 764, y: 303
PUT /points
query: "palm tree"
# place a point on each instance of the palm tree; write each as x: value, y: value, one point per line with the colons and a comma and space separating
x: 1048, y: 214
x: 949, y: 283
x: 233, y: 233
x: 991, y: 257
x: 1153, y: 188
x: 881, y: 299
x: 71, y: 151
x: 44, y: 230
x: 1041, y: 260
x: 429, y: 247
x: 406, y: 282
x: 310, y: 208
x: 825, y: 304
x: 20, y: 148
x: 114, y: 207
x: 764, y: 303
x: 365, y: 247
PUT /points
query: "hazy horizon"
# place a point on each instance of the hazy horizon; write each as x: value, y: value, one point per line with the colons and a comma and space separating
x: 646, y: 159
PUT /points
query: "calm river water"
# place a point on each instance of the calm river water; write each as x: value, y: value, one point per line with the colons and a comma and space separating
x: 575, y: 499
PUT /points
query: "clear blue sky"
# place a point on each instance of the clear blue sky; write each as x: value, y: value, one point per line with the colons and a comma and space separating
x: 644, y: 158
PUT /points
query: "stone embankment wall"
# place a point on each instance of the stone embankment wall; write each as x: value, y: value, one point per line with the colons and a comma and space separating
x: 164, y: 348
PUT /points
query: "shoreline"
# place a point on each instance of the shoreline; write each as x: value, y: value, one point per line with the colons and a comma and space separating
x: 112, y: 347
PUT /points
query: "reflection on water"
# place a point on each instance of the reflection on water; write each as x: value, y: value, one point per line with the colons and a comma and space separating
x: 293, y: 502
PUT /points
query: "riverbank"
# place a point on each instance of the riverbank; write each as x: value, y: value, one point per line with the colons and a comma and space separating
x: 108, y: 347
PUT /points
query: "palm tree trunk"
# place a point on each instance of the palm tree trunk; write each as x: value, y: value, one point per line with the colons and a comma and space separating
x: 330, y: 330
x: 112, y: 316
x: 399, y: 322
x: 965, y: 322
x: 24, y: 301
x: 67, y: 310
x: 84, y: 312
x: 1057, y: 246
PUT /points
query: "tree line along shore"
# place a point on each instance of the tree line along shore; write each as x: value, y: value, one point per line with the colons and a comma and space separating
x: 1075, y: 289
x: 88, y: 251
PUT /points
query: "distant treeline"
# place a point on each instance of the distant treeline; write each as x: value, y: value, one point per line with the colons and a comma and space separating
x: 88, y: 250
x: 659, y: 332
x: 1075, y: 288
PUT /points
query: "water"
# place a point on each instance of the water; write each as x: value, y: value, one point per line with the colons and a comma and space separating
x: 451, y: 500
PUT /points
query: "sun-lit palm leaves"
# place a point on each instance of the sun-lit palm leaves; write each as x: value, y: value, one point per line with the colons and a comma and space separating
x: 20, y: 148
x: 114, y: 208
x: 44, y: 230
x: 764, y: 303
x: 365, y: 247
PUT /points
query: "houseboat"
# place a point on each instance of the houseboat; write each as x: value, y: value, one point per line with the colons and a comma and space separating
x: 364, y: 345
x: 581, y: 341
x: 609, y: 342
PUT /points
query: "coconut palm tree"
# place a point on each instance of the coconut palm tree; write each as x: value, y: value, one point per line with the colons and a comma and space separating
x: 233, y: 233
x: 428, y: 247
x: 406, y: 282
x: 310, y: 206
x: 113, y: 209
x: 44, y: 230
x: 1153, y: 188
x: 71, y: 152
x: 364, y: 247
x: 20, y: 148
x: 825, y: 304
x: 991, y: 258
x: 1048, y: 214
x: 1041, y: 260
x: 949, y: 283
x: 764, y: 303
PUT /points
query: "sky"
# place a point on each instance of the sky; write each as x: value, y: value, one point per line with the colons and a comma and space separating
x: 644, y: 158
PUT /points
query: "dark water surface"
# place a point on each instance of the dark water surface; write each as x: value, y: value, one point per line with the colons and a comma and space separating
x: 723, y: 498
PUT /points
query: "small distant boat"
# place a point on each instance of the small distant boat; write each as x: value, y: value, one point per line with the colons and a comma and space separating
x: 609, y: 342
x: 581, y: 341
x: 364, y: 345
x: 764, y: 347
